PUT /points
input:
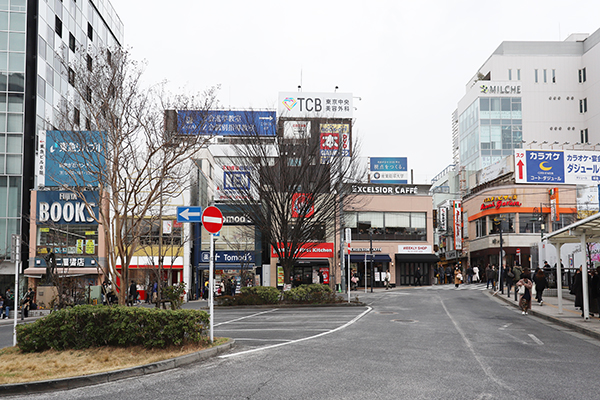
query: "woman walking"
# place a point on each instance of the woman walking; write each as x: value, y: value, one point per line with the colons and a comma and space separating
x: 540, y: 284
x: 524, y: 285
x: 457, y: 276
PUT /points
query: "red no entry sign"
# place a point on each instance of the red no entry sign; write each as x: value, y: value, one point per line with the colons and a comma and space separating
x: 212, y: 219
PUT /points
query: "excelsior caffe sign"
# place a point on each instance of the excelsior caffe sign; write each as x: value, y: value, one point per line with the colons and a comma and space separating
x: 414, y: 249
x: 391, y: 190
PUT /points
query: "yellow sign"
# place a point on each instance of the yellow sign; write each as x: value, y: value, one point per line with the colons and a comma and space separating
x: 90, y: 246
x: 500, y: 198
x: 79, y: 249
x: 44, y: 229
x: 90, y: 233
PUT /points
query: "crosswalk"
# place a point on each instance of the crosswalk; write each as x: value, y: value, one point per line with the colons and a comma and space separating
x: 472, y: 286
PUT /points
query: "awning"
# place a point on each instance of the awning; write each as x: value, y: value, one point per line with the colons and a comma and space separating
x: 204, y: 267
x: 370, y: 257
x: 422, y: 258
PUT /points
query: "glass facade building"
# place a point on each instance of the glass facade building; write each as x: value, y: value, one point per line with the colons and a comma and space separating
x: 35, y: 35
x: 490, y: 129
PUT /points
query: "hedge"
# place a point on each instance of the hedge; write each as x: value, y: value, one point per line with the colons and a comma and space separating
x: 313, y: 294
x: 93, y: 326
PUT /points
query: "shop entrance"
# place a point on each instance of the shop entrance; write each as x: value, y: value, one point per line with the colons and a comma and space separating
x: 312, y: 272
x: 405, y: 273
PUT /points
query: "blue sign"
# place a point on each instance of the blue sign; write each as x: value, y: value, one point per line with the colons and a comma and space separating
x: 544, y: 166
x: 234, y: 257
x: 66, y: 208
x: 226, y: 123
x: 189, y: 214
x: 388, y: 170
x: 72, y: 158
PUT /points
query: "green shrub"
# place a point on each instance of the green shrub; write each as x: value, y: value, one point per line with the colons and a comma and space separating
x: 91, y: 326
x: 250, y: 296
x: 174, y: 294
x: 311, y: 294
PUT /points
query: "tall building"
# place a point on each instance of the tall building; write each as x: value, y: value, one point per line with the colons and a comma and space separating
x: 531, y: 94
x: 34, y: 36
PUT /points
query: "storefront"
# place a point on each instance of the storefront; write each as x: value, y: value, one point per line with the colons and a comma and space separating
x: 515, y: 216
x: 313, y: 265
x: 229, y: 265
x: 69, y: 242
x: 414, y: 264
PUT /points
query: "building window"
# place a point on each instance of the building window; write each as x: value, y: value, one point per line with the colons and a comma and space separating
x: 71, y: 77
x: 88, y: 94
x: 480, y: 227
x: 76, y: 116
x: 67, y: 240
x: 564, y: 220
x: 583, y: 105
x: 90, y: 31
x: 510, y: 74
x: 88, y: 60
x: 88, y: 124
x: 553, y: 76
x: 518, y: 74
x: 584, y: 136
x: 411, y: 226
x: 545, y: 76
x: 530, y: 223
x: 582, y: 76
x: 506, y: 221
x: 536, y: 76
x: 71, y: 42
x: 58, y: 25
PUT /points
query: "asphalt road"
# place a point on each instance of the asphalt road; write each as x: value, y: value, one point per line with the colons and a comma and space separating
x: 416, y: 343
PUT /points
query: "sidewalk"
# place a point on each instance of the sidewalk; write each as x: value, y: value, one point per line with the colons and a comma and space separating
x: 570, y: 317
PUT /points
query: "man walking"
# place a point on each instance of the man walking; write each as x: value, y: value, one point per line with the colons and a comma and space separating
x: 418, y: 276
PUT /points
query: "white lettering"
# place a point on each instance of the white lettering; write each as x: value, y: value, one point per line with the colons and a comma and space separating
x: 55, y: 212
x: 43, y: 214
x: 68, y: 212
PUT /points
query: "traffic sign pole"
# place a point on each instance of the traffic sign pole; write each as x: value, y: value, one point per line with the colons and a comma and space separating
x: 211, y: 285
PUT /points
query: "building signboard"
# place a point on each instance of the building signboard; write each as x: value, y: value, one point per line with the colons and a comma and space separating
x: 69, y: 158
x: 388, y: 170
x: 226, y: 122
x: 334, y: 140
x: 443, y: 224
x: 457, y: 225
x: 554, y: 204
x: 587, y: 201
x: 315, y: 105
x: 568, y: 167
x: 296, y: 129
x: 310, y: 250
x: 391, y: 190
x: 62, y: 207
x: 498, y: 202
x: 231, y: 257
x: 414, y: 249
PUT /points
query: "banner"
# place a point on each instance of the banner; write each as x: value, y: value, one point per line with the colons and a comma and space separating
x: 457, y: 225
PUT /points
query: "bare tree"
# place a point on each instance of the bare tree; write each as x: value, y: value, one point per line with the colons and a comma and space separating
x: 119, y: 145
x: 291, y: 187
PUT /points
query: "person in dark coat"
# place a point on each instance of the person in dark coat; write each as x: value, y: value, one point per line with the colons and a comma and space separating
x: 448, y: 274
x: 541, y: 283
x: 578, y: 290
x: 509, y: 277
x: 132, y: 293
x: 595, y: 289
x: 489, y: 276
x: 418, y: 276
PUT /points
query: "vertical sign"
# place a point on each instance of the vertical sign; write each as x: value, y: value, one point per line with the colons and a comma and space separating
x: 443, y: 219
x: 554, y: 204
x: 457, y: 225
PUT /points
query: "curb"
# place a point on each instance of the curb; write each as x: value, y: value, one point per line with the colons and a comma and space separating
x: 111, y: 376
x: 558, y: 321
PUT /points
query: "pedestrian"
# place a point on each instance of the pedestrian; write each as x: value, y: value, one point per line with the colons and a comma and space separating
x: 233, y: 286
x: 418, y: 276
x: 448, y: 272
x: 132, y: 293
x: 26, y: 302
x: 509, y: 279
x: 388, y: 277
x: 524, y: 285
x: 578, y: 290
x: 457, y: 276
x: 154, y: 291
x: 518, y: 271
x: 489, y: 276
x: 595, y: 289
x: 540, y: 284
x: 592, y: 289
x: 476, y: 274
x: 354, y: 281
x: 469, y: 274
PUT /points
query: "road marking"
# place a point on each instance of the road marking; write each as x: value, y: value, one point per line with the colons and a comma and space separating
x: 301, y: 340
x: 486, y: 369
x: 247, y: 316
x: 505, y: 326
x: 538, y: 341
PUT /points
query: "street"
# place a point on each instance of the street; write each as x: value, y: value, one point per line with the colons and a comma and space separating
x: 418, y: 343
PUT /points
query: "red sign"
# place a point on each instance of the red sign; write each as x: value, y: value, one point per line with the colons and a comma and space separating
x: 212, y: 219
x: 325, y: 273
x: 302, y: 204
x: 310, y: 250
x: 518, y: 251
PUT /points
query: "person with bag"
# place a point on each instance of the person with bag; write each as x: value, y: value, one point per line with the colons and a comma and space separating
x: 524, y: 285
x: 541, y: 283
x: 457, y: 276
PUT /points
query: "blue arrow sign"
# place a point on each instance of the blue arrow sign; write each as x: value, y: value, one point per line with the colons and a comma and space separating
x: 189, y: 214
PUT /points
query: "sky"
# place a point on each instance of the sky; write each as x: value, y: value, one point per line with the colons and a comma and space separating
x: 405, y: 62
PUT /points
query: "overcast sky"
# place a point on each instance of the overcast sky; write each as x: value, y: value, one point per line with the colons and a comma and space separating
x: 408, y: 61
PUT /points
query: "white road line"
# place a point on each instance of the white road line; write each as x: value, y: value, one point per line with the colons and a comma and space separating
x: 264, y: 340
x: 505, y: 326
x: 247, y: 316
x: 300, y: 340
x: 538, y: 341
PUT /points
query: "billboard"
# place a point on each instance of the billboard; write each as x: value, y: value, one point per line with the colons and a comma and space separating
x: 235, y: 183
x: 63, y: 207
x: 296, y: 129
x: 226, y: 123
x: 567, y: 167
x: 69, y: 158
x: 315, y: 105
x: 457, y: 225
x: 392, y: 170
x: 334, y: 140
